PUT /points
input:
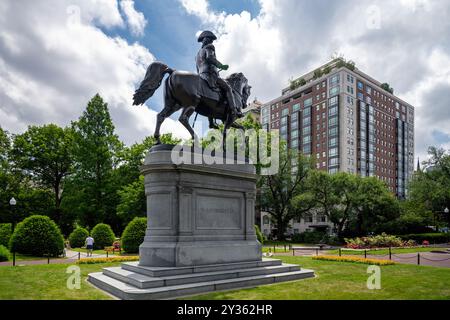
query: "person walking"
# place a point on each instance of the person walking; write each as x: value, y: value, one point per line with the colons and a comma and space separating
x: 89, y: 245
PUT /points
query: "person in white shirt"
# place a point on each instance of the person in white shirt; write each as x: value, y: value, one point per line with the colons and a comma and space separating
x: 89, y: 245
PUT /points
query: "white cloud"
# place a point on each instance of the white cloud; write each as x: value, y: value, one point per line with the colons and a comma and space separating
x: 404, y: 43
x: 135, y: 20
x: 54, y: 57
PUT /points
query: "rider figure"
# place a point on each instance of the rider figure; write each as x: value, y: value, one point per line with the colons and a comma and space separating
x: 207, y: 68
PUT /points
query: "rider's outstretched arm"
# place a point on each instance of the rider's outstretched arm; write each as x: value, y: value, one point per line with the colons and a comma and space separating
x: 211, y: 57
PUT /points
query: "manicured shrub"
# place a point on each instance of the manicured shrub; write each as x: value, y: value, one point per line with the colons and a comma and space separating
x: 4, y: 254
x: 259, y: 234
x: 309, y: 237
x: 430, y: 237
x: 134, y: 234
x: 103, y: 236
x: 37, y: 236
x: 5, y: 234
x: 78, y: 237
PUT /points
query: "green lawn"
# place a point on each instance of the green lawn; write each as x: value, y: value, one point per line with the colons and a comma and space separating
x: 385, y: 251
x: 335, y: 280
x: 347, y: 281
x: 47, y: 282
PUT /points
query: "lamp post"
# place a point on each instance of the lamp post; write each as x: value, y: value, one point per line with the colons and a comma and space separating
x: 13, y: 203
x: 446, y: 211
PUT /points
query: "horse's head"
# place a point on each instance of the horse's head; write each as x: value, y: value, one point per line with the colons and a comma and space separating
x: 239, y: 83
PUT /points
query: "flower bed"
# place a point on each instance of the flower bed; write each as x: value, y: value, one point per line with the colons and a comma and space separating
x: 379, y: 241
x: 106, y: 260
x: 377, y: 262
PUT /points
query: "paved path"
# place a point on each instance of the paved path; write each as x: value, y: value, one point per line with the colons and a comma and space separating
x: 426, y: 258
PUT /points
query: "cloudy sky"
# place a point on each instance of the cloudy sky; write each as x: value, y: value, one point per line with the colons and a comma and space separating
x: 56, y: 54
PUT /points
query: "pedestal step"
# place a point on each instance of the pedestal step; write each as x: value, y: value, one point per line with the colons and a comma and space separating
x: 144, y: 282
x: 126, y: 284
x: 172, y: 271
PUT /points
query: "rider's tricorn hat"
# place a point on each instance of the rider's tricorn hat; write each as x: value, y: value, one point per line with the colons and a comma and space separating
x: 206, y: 34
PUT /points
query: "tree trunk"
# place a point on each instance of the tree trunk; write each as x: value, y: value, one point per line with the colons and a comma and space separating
x: 58, y: 215
x: 281, y: 228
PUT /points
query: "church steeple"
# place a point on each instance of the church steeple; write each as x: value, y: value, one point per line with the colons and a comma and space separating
x: 418, y: 164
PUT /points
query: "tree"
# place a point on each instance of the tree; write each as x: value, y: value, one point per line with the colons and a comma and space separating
x: 45, y: 154
x: 355, y: 205
x: 321, y: 187
x: 133, y: 202
x: 430, y: 189
x: 93, y: 195
x: 132, y: 158
x: 282, y: 193
x: 375, y: 207
x: 387, y: 87
x: 5, y: 176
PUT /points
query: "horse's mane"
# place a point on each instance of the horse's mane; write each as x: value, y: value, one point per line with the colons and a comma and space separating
x: 233, y: 78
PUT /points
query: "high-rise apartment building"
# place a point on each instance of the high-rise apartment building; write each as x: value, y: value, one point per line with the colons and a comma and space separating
x: 348, y: 122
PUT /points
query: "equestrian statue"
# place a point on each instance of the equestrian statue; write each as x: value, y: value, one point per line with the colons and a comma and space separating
x: 204, y: 93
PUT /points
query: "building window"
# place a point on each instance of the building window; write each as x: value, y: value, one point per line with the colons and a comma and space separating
x: 333, y: 152
x: 332, y: 121
x: 332, y: 170
x: 333, y: 161
x: 333, y: 101
x: 333, y: 110
x: 333, y: 142
x: 296, y: 107
x: 360, y: 85
x: 308, y: 103
x: 334, y: 80
x: 334, y: 91
x: 285, y: 112
x: 306, y: 139
x: 333, y: 131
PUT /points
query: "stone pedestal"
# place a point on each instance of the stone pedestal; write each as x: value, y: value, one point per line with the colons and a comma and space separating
x: 200, y: 235
x: 198, y: 214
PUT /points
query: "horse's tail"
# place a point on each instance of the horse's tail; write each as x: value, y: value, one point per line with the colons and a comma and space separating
x: 152, y: 81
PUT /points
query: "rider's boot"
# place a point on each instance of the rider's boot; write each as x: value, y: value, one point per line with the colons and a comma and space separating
x: 234, y: 110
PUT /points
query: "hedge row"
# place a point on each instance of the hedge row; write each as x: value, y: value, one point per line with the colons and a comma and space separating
x: 4, y: 253
x: 433, y: 238
x: 5, y: 234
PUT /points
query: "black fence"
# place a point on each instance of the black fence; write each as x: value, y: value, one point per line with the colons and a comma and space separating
x: 76, y: 256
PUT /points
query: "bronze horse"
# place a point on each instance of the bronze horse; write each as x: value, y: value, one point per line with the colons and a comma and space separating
x: 187, y: 91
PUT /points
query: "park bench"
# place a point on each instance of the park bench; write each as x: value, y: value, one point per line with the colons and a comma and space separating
x: 115, y: 247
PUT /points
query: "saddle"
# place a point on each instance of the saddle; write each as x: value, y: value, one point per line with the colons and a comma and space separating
x: 211, y: 93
